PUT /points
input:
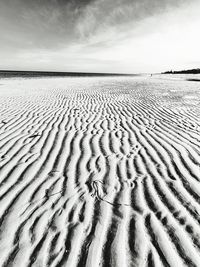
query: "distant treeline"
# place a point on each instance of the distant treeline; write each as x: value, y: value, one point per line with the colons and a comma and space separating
x: 30, y: 74
x: 192, y: 71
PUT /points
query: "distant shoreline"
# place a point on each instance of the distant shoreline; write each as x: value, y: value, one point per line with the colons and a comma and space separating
x: 31, y: 74
x: 191, y: 71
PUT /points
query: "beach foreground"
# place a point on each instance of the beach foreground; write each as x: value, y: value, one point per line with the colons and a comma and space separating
x: 99, y: 172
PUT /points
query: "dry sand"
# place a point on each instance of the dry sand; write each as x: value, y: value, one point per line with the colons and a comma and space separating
x: 99, y: 172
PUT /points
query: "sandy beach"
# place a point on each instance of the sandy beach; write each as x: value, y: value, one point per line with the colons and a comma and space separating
x: 99, y: 172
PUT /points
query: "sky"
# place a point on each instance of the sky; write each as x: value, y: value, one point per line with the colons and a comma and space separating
x: 117, y: 36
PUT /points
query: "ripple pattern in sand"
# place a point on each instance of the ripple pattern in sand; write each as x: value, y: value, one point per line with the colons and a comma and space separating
x: 99, y: 172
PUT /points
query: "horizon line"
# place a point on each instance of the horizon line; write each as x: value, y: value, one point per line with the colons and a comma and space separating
x: 67, y: 73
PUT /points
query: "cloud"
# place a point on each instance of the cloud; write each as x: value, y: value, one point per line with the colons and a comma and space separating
x: 47, y: 31
x: 58, y: 22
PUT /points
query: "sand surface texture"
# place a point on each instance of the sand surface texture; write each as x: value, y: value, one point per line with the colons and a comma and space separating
x: 99, y: 172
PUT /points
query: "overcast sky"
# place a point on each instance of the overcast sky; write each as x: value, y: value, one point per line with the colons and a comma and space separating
x: 126, y: 36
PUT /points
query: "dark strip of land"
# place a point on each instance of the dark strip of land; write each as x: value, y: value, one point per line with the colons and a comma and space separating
x: 192, y: 71
x: 193, y: 80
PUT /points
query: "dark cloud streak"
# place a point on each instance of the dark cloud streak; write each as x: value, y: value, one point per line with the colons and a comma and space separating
x: 40, y: 24
x: 45, y: 27
x: 50, y: 23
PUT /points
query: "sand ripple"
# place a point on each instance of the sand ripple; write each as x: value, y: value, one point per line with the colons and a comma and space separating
x: 99, y: 172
